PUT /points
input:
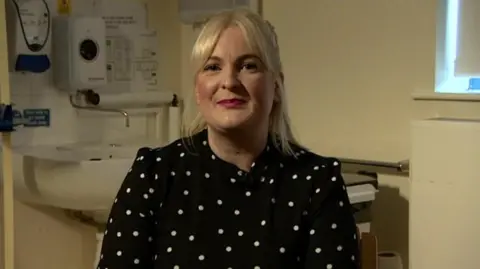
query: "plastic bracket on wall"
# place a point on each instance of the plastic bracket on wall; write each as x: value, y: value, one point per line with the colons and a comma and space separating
x: 6, y: 118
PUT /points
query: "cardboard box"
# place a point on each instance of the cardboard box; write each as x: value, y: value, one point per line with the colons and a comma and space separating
x: 368, y: 251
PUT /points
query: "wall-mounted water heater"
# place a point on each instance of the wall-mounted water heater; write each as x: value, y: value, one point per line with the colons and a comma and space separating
x: 194, y: 11
x: 79, y: 52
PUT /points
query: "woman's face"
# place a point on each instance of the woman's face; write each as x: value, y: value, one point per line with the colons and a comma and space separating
x: 233, y: 89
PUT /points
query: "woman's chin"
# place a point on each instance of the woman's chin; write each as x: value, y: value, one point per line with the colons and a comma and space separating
x: 230, y: 125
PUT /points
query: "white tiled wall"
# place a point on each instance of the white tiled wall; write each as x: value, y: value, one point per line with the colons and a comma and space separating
x: 44, y: 237
x: 68, y: 125
x: 61, y: 241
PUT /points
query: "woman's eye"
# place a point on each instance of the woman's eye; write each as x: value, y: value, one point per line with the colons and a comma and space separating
x: 250, y: 66
x: 211, y: 67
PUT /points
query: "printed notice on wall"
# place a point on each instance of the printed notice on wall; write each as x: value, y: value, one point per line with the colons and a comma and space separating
x: 131, y: 46
x: 36, y: 117
x: 120, y: 13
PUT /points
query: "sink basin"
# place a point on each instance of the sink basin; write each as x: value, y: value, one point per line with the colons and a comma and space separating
x: 98, y: 152
x: 79, y: 177
x: 80, y: 152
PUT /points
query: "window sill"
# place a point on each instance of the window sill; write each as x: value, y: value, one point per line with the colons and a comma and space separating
x: 435, y: 96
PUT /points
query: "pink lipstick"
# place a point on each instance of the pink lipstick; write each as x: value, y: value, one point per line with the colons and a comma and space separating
x: 231, y: 103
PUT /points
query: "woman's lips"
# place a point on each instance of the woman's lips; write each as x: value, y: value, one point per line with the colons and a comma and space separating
x: 231, y: 103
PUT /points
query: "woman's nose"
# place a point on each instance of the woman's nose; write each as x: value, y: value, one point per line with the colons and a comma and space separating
x: 230, y: 78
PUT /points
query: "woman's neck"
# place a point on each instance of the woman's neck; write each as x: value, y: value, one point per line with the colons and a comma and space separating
x: 237, y: 147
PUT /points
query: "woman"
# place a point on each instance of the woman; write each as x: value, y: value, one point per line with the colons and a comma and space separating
x: 238, y: 191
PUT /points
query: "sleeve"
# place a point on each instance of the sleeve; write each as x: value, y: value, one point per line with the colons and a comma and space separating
x: 129, y: 235
x: 332, y: 242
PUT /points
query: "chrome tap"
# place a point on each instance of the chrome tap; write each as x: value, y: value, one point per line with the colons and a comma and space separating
x: 92, y: 99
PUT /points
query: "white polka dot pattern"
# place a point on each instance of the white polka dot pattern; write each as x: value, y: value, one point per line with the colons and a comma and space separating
x: 181, y: 210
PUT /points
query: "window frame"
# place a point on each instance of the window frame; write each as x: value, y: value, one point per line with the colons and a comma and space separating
x: 445, y: 51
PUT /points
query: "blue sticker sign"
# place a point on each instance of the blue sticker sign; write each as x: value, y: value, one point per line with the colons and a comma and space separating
x: 38, y: 117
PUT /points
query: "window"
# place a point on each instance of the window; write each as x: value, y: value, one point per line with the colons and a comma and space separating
x: 458, y: 47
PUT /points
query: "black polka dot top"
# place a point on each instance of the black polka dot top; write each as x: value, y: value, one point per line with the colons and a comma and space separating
x: 182, y: 207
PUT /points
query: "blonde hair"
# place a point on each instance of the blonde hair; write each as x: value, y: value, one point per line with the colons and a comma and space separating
x: 261, y: 37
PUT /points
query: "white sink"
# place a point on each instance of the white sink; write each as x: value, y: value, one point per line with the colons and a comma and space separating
x: 80, y: 152
x: 79, y: 177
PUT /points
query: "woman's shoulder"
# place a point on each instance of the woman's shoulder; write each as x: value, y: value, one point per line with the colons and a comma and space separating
x: 175, y: 150
x: 318, y: 167
x: 155, y: 162
x: 323, y: 161
x: 303, y: 158
x: 150, y: 154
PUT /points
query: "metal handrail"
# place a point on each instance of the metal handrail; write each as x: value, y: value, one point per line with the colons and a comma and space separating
x: 401, y: 167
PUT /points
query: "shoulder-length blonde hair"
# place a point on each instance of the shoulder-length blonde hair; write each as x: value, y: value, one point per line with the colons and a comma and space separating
x: 262, y: 39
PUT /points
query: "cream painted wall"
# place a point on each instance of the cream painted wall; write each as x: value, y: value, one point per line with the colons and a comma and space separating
x: 350, y: 68
x: 351, y: 64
